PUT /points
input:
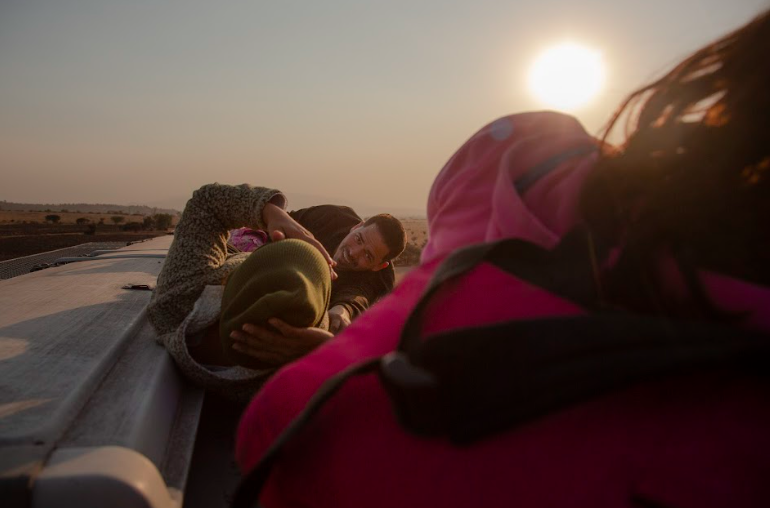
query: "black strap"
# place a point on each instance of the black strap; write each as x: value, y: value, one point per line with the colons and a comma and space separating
x: 491, y: 378
x: 469, y: 383
x: 472, y: 382
x: 568, y: 271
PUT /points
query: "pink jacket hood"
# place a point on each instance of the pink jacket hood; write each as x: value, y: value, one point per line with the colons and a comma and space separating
x: 687, y: 442
x: 475, y: 197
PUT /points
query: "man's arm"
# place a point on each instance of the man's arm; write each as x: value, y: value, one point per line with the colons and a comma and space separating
x: 354, y: 292
x: 339, y: 318
x: 197, y: 257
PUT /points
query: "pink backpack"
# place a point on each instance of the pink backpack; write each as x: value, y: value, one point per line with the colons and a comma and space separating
x: 490, y: 377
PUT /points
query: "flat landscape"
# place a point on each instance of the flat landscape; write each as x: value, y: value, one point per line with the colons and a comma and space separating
x: 417, y: 230
x: 23, y: 233
x: 17, y: 240
x: 21, y: 217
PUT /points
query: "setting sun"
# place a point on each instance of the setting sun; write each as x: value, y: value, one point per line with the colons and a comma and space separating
x: 567, y: 76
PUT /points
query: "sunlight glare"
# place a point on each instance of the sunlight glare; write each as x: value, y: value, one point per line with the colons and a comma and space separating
x: 567, y: 76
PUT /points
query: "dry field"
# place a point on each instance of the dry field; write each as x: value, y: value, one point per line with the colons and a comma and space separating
x: 18, y: 239
x: 16, y: 217
x: 24, y: 233
x: 417, y: 230
x: 15, y: 242
x: 417, y: 234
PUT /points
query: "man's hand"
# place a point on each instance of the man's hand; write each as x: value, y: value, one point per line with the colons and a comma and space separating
x: 280, y: 225
x: 274, y: 348
x: 339, y: 319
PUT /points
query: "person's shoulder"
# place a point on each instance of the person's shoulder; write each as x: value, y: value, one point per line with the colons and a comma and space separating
x: 387, y: 276
x: 381, y: 281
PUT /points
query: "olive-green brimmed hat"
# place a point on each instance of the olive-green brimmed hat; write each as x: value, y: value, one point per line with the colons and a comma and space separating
x: 288, y: 279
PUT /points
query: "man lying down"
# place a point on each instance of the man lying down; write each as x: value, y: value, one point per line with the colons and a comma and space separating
x: 230, y: 320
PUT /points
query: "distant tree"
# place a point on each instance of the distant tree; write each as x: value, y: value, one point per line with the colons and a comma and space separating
x: 117, y: 219
x: 91, y: 230
x: 64, y: 210
x: 132, y: 226
x: 148, y: 223
x: 81, y: 221
x: 101, y: 220
x: 162, y: 220
x: 52, y: 218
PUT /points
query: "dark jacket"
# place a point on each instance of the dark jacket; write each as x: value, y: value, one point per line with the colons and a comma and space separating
x: 356, y: 291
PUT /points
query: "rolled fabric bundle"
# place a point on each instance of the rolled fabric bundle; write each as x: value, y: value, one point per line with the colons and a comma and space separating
x: 247, y: 239
x: 289, y: 280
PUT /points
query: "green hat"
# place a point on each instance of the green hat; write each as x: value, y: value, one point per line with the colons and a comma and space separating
x: 289, y: 279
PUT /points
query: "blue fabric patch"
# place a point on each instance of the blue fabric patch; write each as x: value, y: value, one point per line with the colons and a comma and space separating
x: 501, y: 129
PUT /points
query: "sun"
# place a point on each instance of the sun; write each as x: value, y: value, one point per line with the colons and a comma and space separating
x: 566, y: 77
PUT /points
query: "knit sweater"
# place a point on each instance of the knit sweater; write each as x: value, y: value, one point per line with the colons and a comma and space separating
x: 188, y: 295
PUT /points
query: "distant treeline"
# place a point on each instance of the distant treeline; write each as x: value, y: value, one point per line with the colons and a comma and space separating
x: 87, y: 208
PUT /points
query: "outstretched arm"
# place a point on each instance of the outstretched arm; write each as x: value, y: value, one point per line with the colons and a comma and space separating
x: 354, y: 292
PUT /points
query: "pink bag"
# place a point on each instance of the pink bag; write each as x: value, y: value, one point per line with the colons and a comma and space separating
x: 247, y: 239
x: 690, y: 441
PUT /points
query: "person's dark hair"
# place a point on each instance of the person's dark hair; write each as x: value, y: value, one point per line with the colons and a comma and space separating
x: 392, y: 232
x: 692, y: 178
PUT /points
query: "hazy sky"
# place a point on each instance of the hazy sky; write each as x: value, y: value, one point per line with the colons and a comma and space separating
x: 353, y: 100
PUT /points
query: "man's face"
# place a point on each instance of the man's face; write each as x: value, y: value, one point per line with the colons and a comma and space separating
x: 363, y: 249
